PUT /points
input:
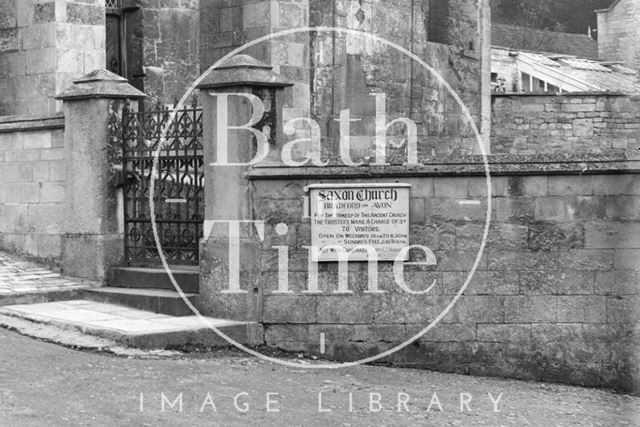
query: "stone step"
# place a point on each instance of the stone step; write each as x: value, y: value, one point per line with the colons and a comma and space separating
x: 156, y: 278
x: 126, y: 326
x: 161, y: 301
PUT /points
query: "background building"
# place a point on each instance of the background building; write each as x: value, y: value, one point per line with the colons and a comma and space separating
x: 619, y: 33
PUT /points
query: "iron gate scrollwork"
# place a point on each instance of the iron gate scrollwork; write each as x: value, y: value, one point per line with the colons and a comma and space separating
x: 179, y: 184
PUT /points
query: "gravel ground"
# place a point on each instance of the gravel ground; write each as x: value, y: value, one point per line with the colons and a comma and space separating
x: 45, y: 384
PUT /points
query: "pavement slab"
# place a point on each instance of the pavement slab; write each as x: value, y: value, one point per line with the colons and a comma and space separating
x: 130, y: 326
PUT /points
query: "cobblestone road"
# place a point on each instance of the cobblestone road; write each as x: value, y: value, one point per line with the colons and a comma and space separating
x: 44, y: 384
x: 18, y: 277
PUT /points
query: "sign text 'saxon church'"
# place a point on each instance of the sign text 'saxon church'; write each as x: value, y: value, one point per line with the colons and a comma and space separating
x: 353, y: 217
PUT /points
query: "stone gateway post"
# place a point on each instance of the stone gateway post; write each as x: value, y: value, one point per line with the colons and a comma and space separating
x: 93, y: 239
x: 242, y: 106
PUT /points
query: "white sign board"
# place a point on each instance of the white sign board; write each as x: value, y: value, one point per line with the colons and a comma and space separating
x: 352, y: 215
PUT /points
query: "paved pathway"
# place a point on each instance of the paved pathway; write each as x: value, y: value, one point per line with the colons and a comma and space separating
x: 45, y: 384
x: 19, y: 277
x: 125, y: 325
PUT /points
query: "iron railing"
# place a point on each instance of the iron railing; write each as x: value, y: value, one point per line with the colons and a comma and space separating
x: 176, y: 137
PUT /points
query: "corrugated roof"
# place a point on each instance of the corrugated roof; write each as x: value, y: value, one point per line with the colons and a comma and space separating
x: 535, y: 40
x: 586, y: 74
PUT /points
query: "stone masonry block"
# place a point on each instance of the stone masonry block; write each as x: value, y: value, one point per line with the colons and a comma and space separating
x: 333, y: 333
x: 599, y: 235
x: 450, y: 332
x: 379, y: 333
x: 29, y: 192
x: 416, y: 211
x: 52, y: 193
x: 482, y: 283
x: 627, y: 259
x: 31, y: 140
x: 563, y: 282
x: 574, y: 108
x: 292, y: 15
x: 57, y: 170
x: 88, y: 14
x: 451, y: 187
x: 9, y: 40
x: 254, y: 14
x: 285, y: 333
x: 516, y: 210
x: 40, y: 61
x: 522, y: 260
x: 289, y: 309
x: 31, y: 37
x: 46, y: 217
x: 503, y: 333
x: 586, y: 259
x: 571, y: 185
x: 618, y: 282
x: 623, y: 309
x: 346, y: 309
x: 528, y: 309
x: 44, y: 12
x: 527, y: 186
x: 7, y: 14
x: 621, y: 208
x: 41, y: 171
x: 552, y: 209
x: 479, y: 309
x: 546, y: 333
x: 581, y: 309
x: 607, y: 185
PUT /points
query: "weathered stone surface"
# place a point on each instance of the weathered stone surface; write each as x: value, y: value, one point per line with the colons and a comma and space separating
x: 7, y: 14
x: 530, y: 309
x: 623, y: 309
x: 600, y: 235
x: 482, y: 283
x: 544, y: 124
x: 522, y: 260
x: 563, y: 282
x: 290, y: 309
x: 586, y: 259
x: 9, y: 40
x: 503, y: 333
x: 583, y: 309
x: 618, y: 282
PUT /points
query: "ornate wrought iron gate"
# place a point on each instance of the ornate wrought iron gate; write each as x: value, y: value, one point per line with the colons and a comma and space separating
x: 179, y: 181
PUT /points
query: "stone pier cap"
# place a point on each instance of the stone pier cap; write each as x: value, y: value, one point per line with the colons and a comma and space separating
x: 243, y: 70
x: 100, y: 84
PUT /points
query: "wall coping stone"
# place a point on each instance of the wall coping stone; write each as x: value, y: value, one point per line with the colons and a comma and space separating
x: 558, y: 95
x: 100, y: 84
x: 499, y: 165
x: 10, y: 124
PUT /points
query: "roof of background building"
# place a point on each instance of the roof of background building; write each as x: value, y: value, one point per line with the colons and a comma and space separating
x: 608, y: 9
x: 579, y: 74
x: 532, y: 39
